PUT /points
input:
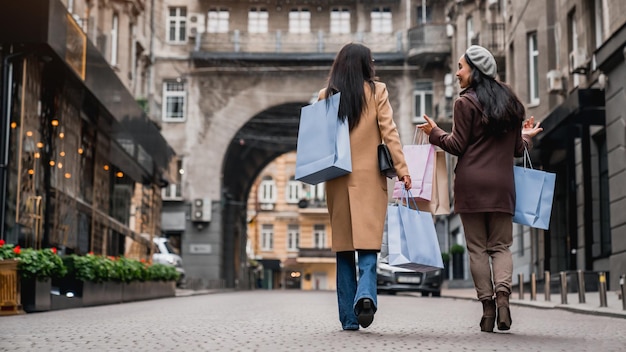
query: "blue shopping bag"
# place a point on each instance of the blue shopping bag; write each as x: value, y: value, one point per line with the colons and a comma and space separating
x: 534, y: 193
x: 323, y: 150
x: 411, y: 237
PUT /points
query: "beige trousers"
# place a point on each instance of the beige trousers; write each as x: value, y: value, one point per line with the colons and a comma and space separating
x: 489, y: 236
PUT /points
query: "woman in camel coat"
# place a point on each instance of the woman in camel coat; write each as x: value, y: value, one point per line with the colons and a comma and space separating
x: 357, y: 202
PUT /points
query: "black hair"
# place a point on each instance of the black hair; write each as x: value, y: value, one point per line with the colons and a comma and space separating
x: 352, y: 67
x: 503, y: 109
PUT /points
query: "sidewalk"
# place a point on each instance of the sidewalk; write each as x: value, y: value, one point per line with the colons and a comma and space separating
x: 591, y: 306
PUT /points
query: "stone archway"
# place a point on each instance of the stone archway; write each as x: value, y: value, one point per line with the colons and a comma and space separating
x: 266, y: 136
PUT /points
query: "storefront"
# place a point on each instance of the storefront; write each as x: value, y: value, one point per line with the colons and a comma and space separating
x: 82, y: 165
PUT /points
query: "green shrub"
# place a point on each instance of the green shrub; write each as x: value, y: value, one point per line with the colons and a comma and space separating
x: 457, y: 249
x: 40, y: 264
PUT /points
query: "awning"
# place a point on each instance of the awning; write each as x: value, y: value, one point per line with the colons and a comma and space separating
x: 270, y: 264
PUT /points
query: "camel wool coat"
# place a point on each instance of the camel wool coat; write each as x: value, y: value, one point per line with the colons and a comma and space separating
x: 357, y: 202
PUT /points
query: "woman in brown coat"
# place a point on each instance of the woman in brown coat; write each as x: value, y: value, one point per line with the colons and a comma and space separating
x: 486, y: 136
x: 357, y: 202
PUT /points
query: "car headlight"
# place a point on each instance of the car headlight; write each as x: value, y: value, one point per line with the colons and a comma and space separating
x: 385, y: 272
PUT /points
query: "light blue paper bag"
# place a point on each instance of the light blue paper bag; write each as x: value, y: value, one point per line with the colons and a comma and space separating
x: 412, y: 238
x: 534, y: 193
x: 323, y: 150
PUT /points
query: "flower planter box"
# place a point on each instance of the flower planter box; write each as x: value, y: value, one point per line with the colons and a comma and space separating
x: 10, y: 300
x: 99, y: 293
x: 137, y: 291
x: 36, y: 295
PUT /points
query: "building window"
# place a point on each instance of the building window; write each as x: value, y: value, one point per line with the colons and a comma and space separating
x: 174, y: 96
x: 293, y: 237
x: 424, y: 15
x: 257, y: 20
x: 299, y: 21
x: 267, y: 190
x: 177, y: 25
x: 293, y: 190
x: 174, y: 191
x: 381, y: 20
x: 316, y: 192
x: 217, y: 21
x: 423, y: 101
x: 533, y: 70
x: 340, y: 21
x: 115, y: 30
x: 469, y: 29
x: 267, y: 237
x: 573, y: 45
x: 598, y: 22
x: 319, y: 236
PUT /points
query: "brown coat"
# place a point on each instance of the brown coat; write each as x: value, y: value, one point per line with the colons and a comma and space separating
x: 357, y: 202
x: 484, y: 173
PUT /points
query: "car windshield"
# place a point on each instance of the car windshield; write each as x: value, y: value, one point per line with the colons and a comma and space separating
x: 170, y: 249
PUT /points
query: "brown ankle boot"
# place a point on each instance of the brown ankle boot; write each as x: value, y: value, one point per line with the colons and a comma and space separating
x: 488, y: 320
x: 504, y: 313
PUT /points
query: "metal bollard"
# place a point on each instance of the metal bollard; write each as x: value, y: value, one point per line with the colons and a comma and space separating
x: 533, y: 287
x: 621, y: 283
x: 521, y: 285
x: 546, y: 285
x: 581, y: 286
x: 563, y: 275
x: 602, y: 290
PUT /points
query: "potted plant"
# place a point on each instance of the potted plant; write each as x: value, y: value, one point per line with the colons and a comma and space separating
x: 37, y: 268
x: 457, y: 252
x: 9, y: 287
x: 445, y: 257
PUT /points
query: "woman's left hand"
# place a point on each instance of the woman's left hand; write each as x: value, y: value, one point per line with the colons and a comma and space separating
x: 530, y: 128
x: 406, y: 179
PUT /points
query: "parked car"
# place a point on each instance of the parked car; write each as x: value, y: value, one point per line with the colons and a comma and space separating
x: 393, y: 279
x: 165, y: 254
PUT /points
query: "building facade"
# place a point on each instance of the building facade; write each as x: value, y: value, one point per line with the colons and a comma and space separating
x: 82, y: 166
x: 229, y: 80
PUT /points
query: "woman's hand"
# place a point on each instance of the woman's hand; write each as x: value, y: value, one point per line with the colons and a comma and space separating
x: 428, y: 126
x: 407, y: 181
x: 530, y: 128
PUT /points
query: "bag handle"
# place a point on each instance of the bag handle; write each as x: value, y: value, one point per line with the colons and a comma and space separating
x: 527, y: 158
x: 407, y: 197
x: 423, y: 138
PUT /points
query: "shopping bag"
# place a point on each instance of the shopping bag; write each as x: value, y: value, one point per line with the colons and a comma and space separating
x: 439, y: 203
x: 420, y: 159
x: 534, y: 193
x: 323, y: 149
x: 412, y: 238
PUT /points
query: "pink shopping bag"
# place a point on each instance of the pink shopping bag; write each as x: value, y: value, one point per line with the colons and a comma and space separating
x: 420, y: 159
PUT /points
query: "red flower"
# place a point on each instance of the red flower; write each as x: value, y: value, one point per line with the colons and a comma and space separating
x: 1, y: 243
x: 142, y: 260
x: 54, y: 250
x: 17, y: 250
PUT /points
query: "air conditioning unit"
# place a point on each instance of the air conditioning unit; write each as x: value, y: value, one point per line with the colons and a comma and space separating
x: 555, y: 81
x: 196, y: 24
x: 201, y: 210
x: 578, y: 63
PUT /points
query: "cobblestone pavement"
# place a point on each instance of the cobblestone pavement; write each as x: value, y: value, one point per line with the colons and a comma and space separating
x: 303, y: 321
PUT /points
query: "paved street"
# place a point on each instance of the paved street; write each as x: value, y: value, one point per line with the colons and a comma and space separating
x: 302, y: 321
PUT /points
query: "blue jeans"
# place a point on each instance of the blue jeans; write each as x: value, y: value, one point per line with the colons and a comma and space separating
x: 349, y: 289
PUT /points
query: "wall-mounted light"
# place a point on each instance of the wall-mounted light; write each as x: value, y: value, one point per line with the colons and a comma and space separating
x: 39, y: 145
x: 80, y: 151
x: 106, y: 167
x: 31, y: 171
x: 54, y: 122
x: 13, y: 125
x: 62, y: 153
x: 29, y: 133
x: 119, y: 174
x: 52, y: 162
x: 68, y: 175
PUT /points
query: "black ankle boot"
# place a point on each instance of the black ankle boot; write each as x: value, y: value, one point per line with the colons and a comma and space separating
x: 365, y: 310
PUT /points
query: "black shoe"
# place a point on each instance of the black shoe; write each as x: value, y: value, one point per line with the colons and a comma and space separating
x: 366, y: 313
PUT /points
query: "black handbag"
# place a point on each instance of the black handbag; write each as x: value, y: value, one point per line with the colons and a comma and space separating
x: 385, y: 163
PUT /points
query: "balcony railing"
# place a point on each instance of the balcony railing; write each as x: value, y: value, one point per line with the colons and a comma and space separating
x: 316, y: 253
x: 282, y: 42
x: 494, y: 39
x: 428, y: 44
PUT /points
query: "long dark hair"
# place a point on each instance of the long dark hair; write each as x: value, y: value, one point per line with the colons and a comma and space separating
x: 503, y: 110
x: 352, y: 67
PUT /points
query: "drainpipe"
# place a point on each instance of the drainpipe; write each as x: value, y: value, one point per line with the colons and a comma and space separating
x: 5, y: 117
